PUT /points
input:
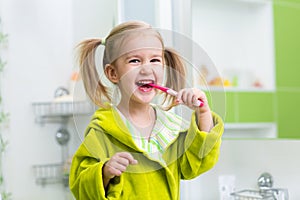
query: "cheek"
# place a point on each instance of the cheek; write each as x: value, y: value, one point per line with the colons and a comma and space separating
x: 128, y: 74
x: 159, y: 73
x: 127, y: 79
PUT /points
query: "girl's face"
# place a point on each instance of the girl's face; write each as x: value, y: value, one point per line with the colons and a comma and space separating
x: 142, y: 64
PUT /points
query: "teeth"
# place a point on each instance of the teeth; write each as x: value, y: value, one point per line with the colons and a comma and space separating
x: 144, y: 82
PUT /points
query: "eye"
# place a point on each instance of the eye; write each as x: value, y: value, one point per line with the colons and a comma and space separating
x: 155, y: 60
x: 134, y: 61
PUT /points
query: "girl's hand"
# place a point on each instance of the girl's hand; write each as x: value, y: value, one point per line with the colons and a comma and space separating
x: 189, y: 97
x: 116, y: 166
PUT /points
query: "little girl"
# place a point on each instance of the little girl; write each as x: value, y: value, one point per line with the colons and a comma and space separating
x: 134, y: 149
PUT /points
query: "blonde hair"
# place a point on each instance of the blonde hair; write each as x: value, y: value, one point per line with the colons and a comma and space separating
x: 96, y: 90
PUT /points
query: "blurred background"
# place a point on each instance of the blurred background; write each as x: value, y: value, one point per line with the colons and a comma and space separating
x: 252, y: 82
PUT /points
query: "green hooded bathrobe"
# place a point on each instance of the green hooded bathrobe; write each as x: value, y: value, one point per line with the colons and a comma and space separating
x: 187, y: 152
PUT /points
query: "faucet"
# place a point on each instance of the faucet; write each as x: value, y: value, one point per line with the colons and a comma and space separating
x: 265, y: 180
x: 265, y: 184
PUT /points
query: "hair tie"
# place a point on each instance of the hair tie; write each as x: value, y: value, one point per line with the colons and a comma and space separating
x: 103, y: 41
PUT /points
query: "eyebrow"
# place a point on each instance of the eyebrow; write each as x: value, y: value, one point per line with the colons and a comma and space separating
x: 138, y: 55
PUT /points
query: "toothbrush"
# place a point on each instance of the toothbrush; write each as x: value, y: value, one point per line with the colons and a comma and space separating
x: 172, y: 92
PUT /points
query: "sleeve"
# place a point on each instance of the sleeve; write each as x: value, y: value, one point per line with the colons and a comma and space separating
x: 201, y: 149
x: 86, y: 181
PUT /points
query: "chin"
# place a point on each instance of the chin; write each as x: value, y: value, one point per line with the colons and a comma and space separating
x: 146, y: 99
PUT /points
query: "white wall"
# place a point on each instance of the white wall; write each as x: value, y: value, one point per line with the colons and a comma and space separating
x: 238, y: 36
x: 40, y: 56
x: 247, y: 160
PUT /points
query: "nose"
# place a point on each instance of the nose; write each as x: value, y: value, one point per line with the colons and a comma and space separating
x: 146, y: 68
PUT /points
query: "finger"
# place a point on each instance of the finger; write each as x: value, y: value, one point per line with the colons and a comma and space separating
x: 113, y: 171
x: 190, y: 98
x: 179, y: 97
x: 118, y: 163
x: 134, y: 162
x: 122, y: 161
x: 128, y: 156
x: 187, y: 97
x: 194, y: 101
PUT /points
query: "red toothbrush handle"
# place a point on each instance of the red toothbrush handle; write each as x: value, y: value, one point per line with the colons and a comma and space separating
x: 172, y: 92
x: 199, y: 103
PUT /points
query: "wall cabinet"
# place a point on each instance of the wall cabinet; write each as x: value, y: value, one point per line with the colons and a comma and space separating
x: 246, y: 114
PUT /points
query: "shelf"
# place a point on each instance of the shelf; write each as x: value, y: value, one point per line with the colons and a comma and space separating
x: 250, y: 130
x: 50, y: 174
x: 233, y: 89
x: 252, y: 195
x: 57, y: 111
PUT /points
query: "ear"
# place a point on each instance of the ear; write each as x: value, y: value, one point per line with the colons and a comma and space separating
x: 111, y: 73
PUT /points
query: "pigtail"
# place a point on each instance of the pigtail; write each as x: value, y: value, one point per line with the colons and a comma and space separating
x: 92, y: 83
x: 175, y: 74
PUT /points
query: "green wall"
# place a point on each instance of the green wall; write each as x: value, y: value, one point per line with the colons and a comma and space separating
x: 287, y: 51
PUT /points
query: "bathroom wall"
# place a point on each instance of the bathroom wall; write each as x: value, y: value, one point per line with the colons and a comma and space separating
x: 39, y: 57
